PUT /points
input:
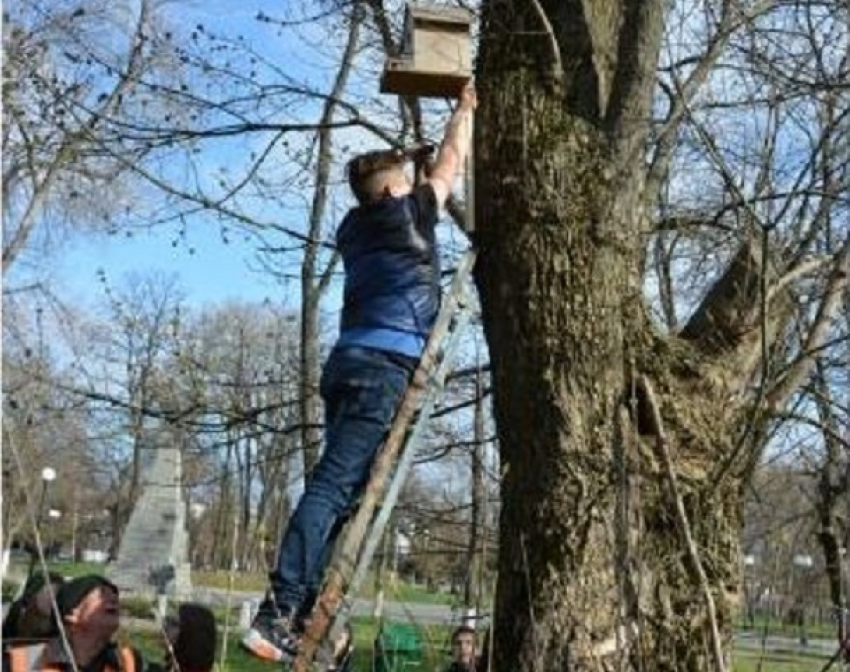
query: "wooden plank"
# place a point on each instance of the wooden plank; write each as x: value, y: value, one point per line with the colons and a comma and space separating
x: 402, y: 79
x: 441, y: 51
x: 440, y: 14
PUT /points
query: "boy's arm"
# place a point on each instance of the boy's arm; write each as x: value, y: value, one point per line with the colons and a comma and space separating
x: 454, y: 147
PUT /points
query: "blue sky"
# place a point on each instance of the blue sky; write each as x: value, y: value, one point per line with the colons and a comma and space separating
x: 209, y: 270
x: 214, y: 272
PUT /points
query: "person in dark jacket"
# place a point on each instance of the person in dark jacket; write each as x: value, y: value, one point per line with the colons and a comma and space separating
x: 390, y: 302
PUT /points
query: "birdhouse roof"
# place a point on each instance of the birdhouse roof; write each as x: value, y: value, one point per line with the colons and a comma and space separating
x: 439, y: 13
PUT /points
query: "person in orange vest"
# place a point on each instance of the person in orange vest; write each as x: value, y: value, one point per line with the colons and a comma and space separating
x: 88, y: 613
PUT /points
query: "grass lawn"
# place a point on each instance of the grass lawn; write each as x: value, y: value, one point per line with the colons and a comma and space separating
x: 745, y: 662
x: 824, y: 629
x: 434, y: 655
x: 74, y: 569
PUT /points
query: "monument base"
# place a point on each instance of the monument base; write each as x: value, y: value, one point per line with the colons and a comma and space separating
x: 167, y: 580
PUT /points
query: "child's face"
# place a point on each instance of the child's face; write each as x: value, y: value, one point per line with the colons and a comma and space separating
x: 463, y: 647
x: 98, y: 612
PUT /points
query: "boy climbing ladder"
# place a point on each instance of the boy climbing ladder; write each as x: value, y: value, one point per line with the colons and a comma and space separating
x: 390, y: 302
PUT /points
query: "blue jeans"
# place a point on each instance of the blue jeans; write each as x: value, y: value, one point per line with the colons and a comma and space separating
x: 361, y: 388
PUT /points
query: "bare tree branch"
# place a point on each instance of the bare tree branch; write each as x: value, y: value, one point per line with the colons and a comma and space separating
x: 683, y: 525
x: 834, y: 295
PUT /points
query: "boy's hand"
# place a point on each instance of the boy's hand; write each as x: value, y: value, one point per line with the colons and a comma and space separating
x: 468, y: 99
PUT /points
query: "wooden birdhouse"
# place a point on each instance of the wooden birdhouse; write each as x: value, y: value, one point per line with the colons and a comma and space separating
x: 436, y: 58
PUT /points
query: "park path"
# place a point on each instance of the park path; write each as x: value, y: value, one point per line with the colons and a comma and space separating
x: 431, y: 614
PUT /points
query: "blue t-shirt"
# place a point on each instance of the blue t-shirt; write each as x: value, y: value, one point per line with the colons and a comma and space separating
x: 392, y: 273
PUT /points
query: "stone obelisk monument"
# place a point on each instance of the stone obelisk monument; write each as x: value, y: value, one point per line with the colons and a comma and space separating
x: 153, y: 554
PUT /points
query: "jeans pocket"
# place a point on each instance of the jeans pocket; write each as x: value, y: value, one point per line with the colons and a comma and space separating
x: 372, y: 398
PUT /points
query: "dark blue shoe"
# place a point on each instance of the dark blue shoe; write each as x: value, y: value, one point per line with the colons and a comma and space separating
x: 272, y: 636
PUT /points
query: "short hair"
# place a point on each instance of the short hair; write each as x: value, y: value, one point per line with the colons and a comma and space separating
x: 463, y: 630
x: 367, y: 172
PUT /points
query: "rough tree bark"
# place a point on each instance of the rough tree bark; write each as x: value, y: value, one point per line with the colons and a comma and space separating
x: 622, y: 448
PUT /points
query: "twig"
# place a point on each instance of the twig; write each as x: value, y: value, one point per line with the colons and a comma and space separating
x: 683, y: 524
x: 795, y: 273
x: 623, y: 553
x: 491, y: 638
x: 830, y: 304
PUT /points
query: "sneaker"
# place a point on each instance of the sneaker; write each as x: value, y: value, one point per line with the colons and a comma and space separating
x: 272, y: 637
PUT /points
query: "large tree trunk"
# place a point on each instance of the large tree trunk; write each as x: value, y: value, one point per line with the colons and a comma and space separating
x: 594, y: 571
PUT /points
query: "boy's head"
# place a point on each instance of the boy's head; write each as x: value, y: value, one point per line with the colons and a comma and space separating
x: 89, y: 604
x: 381, y: 173
x: 464, y: 645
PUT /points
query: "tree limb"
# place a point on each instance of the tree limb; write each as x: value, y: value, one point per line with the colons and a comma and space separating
x: 683, y: 524
x: 730, y: 309
x: 827, y: 311
x: 669, y: 132
x: 627, y: 112
x: 554, y: 47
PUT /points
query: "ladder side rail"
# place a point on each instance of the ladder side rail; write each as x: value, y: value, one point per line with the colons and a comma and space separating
x: 408, y: 454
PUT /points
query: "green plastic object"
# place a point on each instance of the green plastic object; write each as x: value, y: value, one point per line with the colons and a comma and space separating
x: 398, y: 647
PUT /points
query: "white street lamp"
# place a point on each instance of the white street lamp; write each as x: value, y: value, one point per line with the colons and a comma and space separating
x: 196, y: 510
x: 48, y: 474
x: 749, y: 589
x: 805, y: 563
